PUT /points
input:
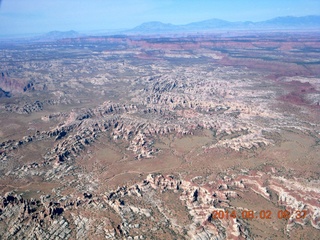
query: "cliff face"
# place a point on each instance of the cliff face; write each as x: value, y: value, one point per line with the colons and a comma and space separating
x: 14, y: 85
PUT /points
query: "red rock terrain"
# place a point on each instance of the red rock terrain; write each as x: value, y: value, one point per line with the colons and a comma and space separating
x: 145, y: 137
x: 14, y: 85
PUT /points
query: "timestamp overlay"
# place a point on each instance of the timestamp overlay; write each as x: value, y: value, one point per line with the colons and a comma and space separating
x: 262, y: 214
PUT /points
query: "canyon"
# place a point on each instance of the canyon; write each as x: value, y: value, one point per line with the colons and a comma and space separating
x: 144, y: 137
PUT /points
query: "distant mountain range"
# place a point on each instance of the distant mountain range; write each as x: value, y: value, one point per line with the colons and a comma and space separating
x: 55, y: 35
x: 211, y: 25
x: 279, y: 23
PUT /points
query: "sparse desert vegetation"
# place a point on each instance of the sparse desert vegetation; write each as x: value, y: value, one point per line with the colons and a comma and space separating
x: 137, y: 137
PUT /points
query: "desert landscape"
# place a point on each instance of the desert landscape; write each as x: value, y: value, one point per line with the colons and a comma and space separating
x: 207, y: 136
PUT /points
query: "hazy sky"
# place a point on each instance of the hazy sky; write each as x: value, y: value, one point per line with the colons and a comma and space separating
x: 37, y: 16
